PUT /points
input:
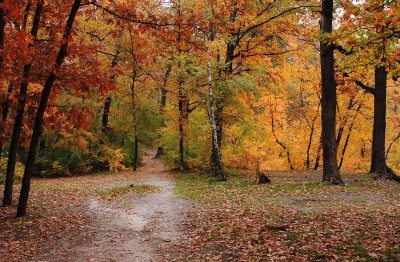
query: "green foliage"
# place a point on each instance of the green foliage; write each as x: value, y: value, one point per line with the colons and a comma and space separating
x: 19, y: 170
x: 67, y: 154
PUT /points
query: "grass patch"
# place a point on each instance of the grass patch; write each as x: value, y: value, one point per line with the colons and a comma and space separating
x: 361, y: 251
x: 131, y: 189
x: 293, y: 236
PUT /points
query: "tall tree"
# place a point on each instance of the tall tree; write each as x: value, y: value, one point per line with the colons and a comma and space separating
x: 249, y: 29
x: 12, y: 153
x: 37, y: 128
x: 163, y: 102
x: 328, y: 102
x: 372, y: 36
x: 217, y: 153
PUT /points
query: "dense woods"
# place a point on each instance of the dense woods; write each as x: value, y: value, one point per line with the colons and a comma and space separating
x: 86, y: 86
x: 205, y: 130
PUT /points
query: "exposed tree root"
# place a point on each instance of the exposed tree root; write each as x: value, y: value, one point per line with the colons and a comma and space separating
x: 390, y: 174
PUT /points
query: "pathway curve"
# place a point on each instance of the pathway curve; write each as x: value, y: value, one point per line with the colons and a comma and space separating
x: 139, y: 229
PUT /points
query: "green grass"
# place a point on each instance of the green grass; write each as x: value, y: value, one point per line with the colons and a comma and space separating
x: 306, y: 186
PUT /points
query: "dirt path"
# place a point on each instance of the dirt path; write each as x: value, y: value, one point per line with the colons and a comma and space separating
x: 137, y: 228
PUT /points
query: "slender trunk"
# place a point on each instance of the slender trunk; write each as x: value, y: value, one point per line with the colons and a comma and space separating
x: 219, y: 170
x: 163, y: 103
x: 135, y: 157
x: 107, y: 101
x: 2, y: 28
x: 280, y: 143
x: 106, y: 113
x: 4, y: 115
x: 182, y: 103
x: 4, y: 107
x: 26, y: 180
x: 12, y: 153
x: 312, y: 127
x: 378, y: 162
x: 318, y: 158
x: 164, y: 91
x: 328, y: 101
x: 183, y: 118
x: 344, y: 120
x: 390, y: 145
x: 219, y: 125
x: 349, y: 133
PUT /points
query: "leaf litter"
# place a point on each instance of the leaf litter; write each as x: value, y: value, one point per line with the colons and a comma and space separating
x: 295, y: 218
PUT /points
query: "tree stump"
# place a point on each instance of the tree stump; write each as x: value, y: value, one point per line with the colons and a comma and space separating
x: 261, y: 177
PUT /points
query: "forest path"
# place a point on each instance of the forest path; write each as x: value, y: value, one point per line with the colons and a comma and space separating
x: 137, y: 228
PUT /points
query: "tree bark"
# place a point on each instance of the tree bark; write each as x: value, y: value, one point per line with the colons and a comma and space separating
x: 106, y: 114
x: 4, y: 115
x: 378, y: 161
x: 390, y: 145
x: 26, y: 180
x: 183, y: 119
x: 12, y: 153
x: 133, y: 94
x: 310, y: 138
x: 2, y: 27
x: 318, y: 158
x: 331, y: 171
x: 163, y: 103
x: 219, y: 170
x: 4, y: 107
x: 107, y: 101
x: 219, y: 125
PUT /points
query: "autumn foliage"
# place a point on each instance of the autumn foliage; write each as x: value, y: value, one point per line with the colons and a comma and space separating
x: 135, y: 75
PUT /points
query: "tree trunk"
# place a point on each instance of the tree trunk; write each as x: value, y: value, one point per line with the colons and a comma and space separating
x: 163, y: 103
x: 317, y: 159
x: 106, y: 113
x: 12, y: 153
x: 328, y: 102
x: 4, y: 108
x: 280, y: 143
x: 133, y: 94
x: 309, y: 147
x: 219, y: 125
x: 378, y: 162
x: 2, y: 27
x: 219, y: 170
x: 107, y: 101
x: 390, y: 145
x: 310, y: 138
x: 183, y: 119
x: 26, y: 180
x: 4, y: 115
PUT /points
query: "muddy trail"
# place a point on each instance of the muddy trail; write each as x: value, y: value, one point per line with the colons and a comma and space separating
x: 135, y: 228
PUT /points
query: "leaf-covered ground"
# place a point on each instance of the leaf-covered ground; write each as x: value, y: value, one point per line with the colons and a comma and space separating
x: 58, y: 217
x: 126, y: 216
x: 295, y: 218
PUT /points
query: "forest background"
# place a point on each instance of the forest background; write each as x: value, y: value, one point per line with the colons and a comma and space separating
x: 121, y: 76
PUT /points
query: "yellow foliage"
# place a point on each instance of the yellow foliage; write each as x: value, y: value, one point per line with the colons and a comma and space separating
x: 114, y: 158
x: 19, y: 170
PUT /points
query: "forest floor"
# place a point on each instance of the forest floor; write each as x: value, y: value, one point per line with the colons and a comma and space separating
x: 127, y: 216
x: 155, y: 215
